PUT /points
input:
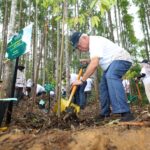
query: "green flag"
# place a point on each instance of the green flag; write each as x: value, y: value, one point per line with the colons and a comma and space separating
x: 19, y: 43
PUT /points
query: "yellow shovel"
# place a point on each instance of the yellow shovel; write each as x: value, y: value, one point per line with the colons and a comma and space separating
x: 3, y: 129
x: 65, y: 104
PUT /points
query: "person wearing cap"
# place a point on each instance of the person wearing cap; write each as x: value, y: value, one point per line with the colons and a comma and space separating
x: 20, y: 83
x: 145, y: 77
x: 115, y: 62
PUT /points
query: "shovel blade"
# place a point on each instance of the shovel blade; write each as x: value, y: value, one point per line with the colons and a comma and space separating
x: 64, y: 106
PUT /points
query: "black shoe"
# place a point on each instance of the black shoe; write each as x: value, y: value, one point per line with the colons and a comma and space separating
x: 100, y: 118
x: 125, y: 117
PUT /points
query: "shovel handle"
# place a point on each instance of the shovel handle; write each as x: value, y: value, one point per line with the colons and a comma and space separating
x: 138, y: 90
x: 74, y: 87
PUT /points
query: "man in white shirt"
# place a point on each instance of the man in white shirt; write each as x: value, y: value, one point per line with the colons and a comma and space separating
x: 20, y: 83
x: 115, y: 62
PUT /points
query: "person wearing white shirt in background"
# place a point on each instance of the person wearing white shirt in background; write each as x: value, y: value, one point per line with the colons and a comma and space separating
x: 88, y: 88
x: 20, y: 83
x: 126, y: 85
x: 145, y: 77
x: 40, y: 90
x: 29, y: 87
x: 79, y: 97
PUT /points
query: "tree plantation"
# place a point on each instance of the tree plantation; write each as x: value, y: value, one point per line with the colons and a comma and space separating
x: 75, y: 74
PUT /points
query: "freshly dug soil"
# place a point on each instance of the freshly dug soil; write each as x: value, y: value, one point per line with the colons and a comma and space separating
x: 33, y: 129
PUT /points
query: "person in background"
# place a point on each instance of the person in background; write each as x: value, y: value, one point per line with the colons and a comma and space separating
x: 115, y: 62
x: 20, y: 83
x: 126, y: 85
x: 145, y: 77
x: 40, y: 90
x: 88, y: 89
x: 79, y: 97
x: 29, y: 87
x: 63, y: 87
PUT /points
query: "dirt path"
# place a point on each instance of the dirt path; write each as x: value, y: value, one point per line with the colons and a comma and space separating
x: 35, y: 130
x: 93, y: 138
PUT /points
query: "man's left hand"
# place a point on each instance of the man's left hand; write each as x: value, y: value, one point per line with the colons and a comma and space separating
x: 77, y: 82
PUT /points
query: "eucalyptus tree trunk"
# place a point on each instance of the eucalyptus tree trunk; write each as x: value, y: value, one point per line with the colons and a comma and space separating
x: 4, y: 37
x: 147, y: 11
x: 146, y: 26
x: 110, y: 26
x: 145, y: 41
x: 39, y: 56
x: 120, y: 24
x: 10, y: 71
x: 20, y: 15
x: 45, y: 51
x: 61, y: 57
x: 67, y: 60
x: 57, y: 61
x: 116, y: 21
x: 27, y: 56
x: 35, y: 53
x: 145, y: 29
x: 9, y: 66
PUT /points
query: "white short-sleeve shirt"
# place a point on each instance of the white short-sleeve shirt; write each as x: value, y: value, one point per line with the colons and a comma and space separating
x: 146, y: 70
x: 73, y: 77
x: 89, y: 85
x: 107, y: 51
x: 39, y: 89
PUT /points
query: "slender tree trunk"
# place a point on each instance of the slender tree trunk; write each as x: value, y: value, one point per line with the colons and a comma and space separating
x: 9, y: 66
x: 45, y: 51
x: 110, y: 26
x: 61, y: 58
x: 147, y: 11
x: 67, y: 60
x: 4, y: 37
x: 57, y: 61
x: 35, y: 54
x: 120, y: 24
x: 116, y: 20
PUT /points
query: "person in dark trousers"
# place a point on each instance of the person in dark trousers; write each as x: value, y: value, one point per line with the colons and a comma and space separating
x: 79, y: 97
x: 20, y: 83
x: 115, y: 62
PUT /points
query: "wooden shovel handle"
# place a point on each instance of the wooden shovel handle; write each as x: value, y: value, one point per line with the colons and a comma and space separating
x: 74, y: 87
x: 138, y: 90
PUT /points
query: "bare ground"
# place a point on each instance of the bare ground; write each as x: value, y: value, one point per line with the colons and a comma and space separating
x: 32, y: 129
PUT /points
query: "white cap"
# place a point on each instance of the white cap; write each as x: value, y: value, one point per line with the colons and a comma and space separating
x: 51, y: 93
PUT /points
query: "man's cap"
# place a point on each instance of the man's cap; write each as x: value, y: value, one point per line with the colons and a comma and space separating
x: 144, y: 61
x: 74, y: 39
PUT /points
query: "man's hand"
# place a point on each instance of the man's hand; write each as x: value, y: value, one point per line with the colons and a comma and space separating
x: 77, y: 82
